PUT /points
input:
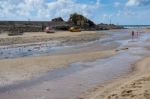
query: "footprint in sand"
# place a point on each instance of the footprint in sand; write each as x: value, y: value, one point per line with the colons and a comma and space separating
x: 127, y: 93
x: 147, y: 94
x: 113, y: 96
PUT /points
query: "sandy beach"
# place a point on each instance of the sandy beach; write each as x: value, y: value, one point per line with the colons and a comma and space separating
x: 61, y: 36
x: 134, y: 85
x: 30, y: 67
x: 126, y: 68
x: 74, y: 49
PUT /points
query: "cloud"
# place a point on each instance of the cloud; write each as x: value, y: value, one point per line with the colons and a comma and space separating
x: 24, y: 8
x: 131, y: 3
x: 117, y: 4
x: 45, y: 9
x: 65, y: 7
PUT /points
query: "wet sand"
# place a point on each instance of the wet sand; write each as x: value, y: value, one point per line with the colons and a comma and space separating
x: 134, y: 85
x: 146, y: 30
x: 61, y: 36
x: 30, y: 67
x: 69, y: 58
x: 86, y: 69
x: 15, y: 59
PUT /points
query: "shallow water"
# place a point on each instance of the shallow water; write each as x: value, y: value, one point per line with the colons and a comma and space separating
x: 54, y: 47
x: 70, y: 82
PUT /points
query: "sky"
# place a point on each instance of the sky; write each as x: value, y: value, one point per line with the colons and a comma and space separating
x: 122, y: 12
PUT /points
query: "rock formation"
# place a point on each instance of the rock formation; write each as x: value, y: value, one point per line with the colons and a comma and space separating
x: 81, y: 21
x: 59, y: 19
x: 59, y: 24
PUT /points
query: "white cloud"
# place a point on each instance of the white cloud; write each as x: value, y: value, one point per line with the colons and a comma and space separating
x: 132, y: 3
x: 119, y: 13
x: 117, y: 4
x: 137, y: 2
x: 44, y: 9
x: 66, y: 7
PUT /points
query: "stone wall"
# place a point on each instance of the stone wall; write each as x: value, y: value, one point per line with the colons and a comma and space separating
x: 22, y: 26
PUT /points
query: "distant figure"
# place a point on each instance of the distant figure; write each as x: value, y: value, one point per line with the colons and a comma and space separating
x: 133, y: 35
x: 137, y: 34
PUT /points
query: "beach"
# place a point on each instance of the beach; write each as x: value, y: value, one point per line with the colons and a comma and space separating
x: 34, y: 66
x: 74, y: 49
x: 134, y: 85
x: 30, y: 67
x: 90, y: 65
x: 61, y: 36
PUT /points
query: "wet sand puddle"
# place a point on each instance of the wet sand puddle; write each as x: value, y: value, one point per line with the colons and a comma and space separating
x: 70, y: 82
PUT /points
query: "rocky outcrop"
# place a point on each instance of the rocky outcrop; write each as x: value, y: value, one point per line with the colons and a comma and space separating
x: 75, y: 20
x: 59, y: 24
x: 81, y: 21
x: 59, y: 19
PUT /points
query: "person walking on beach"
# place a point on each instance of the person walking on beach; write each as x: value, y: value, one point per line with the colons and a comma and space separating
x: 133, y: 35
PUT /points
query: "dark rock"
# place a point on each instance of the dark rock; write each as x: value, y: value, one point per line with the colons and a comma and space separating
x: 107, y: 26
x: 59, y: 19
x: 58, y: 24
x: 81, y: 21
